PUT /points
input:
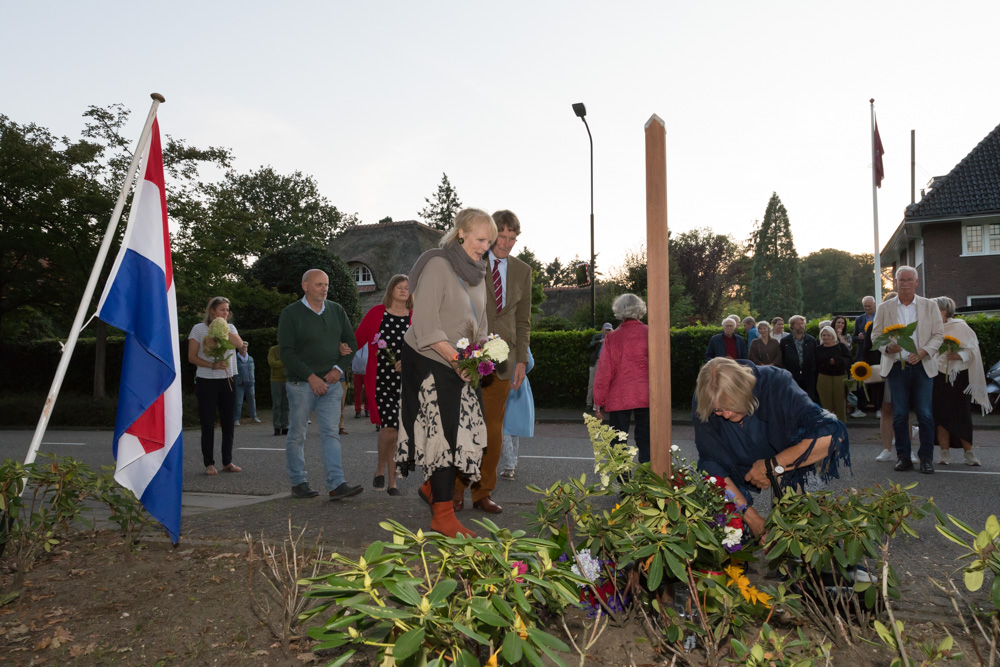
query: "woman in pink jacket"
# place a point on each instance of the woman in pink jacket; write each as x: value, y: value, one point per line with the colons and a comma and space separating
x: 621, y: 385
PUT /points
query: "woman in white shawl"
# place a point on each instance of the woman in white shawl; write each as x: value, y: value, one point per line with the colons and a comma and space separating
x: 960, y: 378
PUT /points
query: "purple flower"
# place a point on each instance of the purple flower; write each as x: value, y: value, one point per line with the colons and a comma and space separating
x: 720, y: 519
x: 734, y: 548
x: 485, y: 367
x: 382, y: 344
x: 377, y: 337
x: 563, y: 558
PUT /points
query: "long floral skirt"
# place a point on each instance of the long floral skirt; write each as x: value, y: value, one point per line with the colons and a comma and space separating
x: 440, y: 419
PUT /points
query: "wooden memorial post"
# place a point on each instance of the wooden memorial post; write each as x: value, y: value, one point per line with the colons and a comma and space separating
x: 658, y: 298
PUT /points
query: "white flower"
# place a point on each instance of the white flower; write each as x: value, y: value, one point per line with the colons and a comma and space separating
x: 591, y: 566
x: 675, y: 448
x: 462, y: 343
x: 733, y: 537
x: 497, y: 349
x: 477, y: 354
x: 712, y: 480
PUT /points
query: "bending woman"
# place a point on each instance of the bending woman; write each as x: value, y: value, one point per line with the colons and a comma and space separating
x: 753, y: 424
x: 441, y: 424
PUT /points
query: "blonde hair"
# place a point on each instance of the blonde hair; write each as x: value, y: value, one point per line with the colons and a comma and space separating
x: 724, y: 382
x: 213, y: 303
x: 832, y: 331
x: 466, y: 219
x: 395, y: 280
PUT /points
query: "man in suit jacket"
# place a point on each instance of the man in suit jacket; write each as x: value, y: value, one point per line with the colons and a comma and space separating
x: 508, y: 311
x: 798, y: 353
x: 911, y: 387
x: 727, y: 343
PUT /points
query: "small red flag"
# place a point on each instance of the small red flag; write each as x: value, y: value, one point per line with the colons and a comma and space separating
x: 878, y: 153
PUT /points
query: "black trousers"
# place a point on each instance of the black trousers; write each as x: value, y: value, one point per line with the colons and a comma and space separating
x: 620, y: 420
x: 216, y: 397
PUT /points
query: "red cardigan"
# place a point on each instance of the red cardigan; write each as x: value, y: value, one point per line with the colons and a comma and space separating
x: 370, y: 324
x: 622, y: 379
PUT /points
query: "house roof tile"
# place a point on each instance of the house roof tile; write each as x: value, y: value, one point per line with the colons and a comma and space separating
x: 971, y: 188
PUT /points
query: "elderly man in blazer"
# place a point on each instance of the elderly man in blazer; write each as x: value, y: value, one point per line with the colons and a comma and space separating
x: 911, y: 387
x: 508, y: 310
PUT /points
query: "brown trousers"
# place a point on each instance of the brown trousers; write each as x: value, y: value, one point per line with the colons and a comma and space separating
x: 494, y: 405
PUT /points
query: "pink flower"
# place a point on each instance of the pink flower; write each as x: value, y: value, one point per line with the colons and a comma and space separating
x: 518, y: 567
x: 382, y: 344
x: 485, y: 367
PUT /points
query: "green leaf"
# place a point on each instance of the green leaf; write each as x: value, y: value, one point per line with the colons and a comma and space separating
x: 543, y: 638
x: 995, y: 591
x: 993, y: 527
x: 655, y: 572
x: 407, y: 644
x: 973, y: 579
x: 982, y: 541
x: 471, y: 634
x: 778, y: 549
x: 444, y: 588
x: 532, y: 655
x: 511, y: 648
x: 908, y: 345
x: 962, y: 525
x: 373, y: 551
x: 886, y: 634
x: 951, y: 536
x: 501, y: 606
x: 342, y: 660
x: 404, y: 591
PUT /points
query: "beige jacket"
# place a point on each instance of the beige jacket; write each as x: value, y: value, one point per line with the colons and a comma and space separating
x: 928, y: 336
x: 513, y: 322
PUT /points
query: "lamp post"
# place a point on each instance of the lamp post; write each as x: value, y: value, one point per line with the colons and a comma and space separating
x: 581, y: 112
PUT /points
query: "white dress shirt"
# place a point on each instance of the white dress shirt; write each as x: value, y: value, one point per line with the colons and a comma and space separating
x: 502, y: 268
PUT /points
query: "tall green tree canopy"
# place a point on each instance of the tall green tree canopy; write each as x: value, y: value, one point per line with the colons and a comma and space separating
x: 631, y: 276
x: 712, y: 268
x: 537, y: 279
x: 835, y: 281
x: 442, y: 206
x: 775, y: 281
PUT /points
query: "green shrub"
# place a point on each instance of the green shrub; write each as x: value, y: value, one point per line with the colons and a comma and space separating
x: 73, y: 409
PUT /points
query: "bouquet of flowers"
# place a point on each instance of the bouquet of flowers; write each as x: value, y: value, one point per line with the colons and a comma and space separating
x: 950, y: 344
x: 383, y: 346
x: 216, y: 344
x: 901, y: 335
x: 726, y: 518
x: 602, y: 588
x: 481, y: 359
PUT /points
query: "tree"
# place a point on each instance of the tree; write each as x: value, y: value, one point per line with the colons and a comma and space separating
x: 835, y: 281
x: 553, y: 272
x: 441, y: 209
x: 775, y: 281
x: 537, y: 280
x: 282, y: 270
x: 387, y: 218
x: 631, y: 276
x: 711, y: 271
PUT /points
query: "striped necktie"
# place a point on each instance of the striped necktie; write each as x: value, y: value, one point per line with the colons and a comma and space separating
x: 497, y: 284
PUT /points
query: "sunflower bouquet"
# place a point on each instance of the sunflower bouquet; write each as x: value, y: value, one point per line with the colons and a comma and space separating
x: 950, y: 344
x: 860, y: 371
x: 901, y: 335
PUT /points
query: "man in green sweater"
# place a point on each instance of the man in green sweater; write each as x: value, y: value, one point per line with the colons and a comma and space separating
x: 316, y: 341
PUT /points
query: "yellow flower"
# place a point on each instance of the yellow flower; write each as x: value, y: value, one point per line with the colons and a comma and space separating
x: 861, y: 371
x: 868, y: 325
x: 893, y: 327
x: 522, y: 630
x: 492, y: 662
x: 749, y: 593
x: 952, y: 339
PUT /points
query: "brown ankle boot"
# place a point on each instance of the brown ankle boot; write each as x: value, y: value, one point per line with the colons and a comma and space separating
x: 445, y: 521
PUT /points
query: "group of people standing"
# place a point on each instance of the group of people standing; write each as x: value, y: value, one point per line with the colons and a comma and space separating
x: 422, y: 402
x: 940, y: 388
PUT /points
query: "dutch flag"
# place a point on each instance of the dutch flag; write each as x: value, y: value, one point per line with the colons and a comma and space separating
x: 140, y: 299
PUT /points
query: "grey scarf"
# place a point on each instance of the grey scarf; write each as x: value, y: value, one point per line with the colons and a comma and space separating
x: 465, y: 267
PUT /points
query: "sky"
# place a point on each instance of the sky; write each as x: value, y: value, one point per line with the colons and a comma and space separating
x: 376, y: 100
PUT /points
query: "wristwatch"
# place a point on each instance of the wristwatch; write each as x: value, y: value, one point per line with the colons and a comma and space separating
x: 777, y: 467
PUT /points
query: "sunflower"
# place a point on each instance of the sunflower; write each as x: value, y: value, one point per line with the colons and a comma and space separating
x: 892, y: 328
x: 953, y: 340
x: 868, y: 325
x: 861, y: 371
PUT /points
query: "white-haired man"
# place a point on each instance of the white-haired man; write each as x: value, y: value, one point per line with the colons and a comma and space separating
x: 727, y: 343
x: 912, y: 386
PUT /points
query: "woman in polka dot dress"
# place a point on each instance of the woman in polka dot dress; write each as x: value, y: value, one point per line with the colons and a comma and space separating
x: 382, y: 329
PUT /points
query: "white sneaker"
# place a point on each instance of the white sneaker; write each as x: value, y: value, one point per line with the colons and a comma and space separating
x: 914, y: 457
x: 256, y: 421
x: 943, y: 458
x: 858, y: 414
x: 878, y: 414
x: 236, y: 423
x: 886, y: 455
x: 970, y: 458
x: 915, y: 435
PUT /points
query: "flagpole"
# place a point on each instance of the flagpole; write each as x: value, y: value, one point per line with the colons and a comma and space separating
x: 878, y: 259
x: 88, y: 294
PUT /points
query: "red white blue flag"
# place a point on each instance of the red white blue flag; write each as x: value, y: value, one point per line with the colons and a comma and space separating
x: 140, y: 299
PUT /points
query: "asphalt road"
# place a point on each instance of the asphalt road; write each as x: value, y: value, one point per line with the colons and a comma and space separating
x: 557, y: 452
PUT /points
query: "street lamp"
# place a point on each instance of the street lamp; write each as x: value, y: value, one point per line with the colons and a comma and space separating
x: 581, y: 112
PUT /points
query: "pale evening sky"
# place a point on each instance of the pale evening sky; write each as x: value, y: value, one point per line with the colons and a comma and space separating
x: 377, y: 99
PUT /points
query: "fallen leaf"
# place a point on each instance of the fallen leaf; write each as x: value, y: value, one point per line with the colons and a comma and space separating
x: 43, y: 643
x: 307, y: 657
x: 225, y: 555
x: 76, y: 650
x: 259, y: 653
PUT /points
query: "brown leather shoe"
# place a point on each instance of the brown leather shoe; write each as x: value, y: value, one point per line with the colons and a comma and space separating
x: 487, y: 505
x: 458, y: 502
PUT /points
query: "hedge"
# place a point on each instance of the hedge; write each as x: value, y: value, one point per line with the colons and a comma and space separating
x: 559, y: 379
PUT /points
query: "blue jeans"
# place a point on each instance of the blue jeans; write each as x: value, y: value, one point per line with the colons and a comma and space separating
x: 301, y: 403
x: 247, y: 389
x: 508, y: 455
x: 911, y: 388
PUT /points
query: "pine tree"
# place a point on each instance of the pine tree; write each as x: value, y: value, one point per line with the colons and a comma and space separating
x: 775, y: 282
x: 441, y: 209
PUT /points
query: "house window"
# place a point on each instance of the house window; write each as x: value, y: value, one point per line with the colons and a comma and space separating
x: 980, y: 239
x: 986, y: 301
x: 363, y: 276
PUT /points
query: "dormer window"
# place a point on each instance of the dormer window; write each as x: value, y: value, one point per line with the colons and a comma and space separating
x: 363, y: 278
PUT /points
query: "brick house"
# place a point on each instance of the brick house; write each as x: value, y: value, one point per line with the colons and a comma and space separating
x: 952, y: 235
x: 375, y: 253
